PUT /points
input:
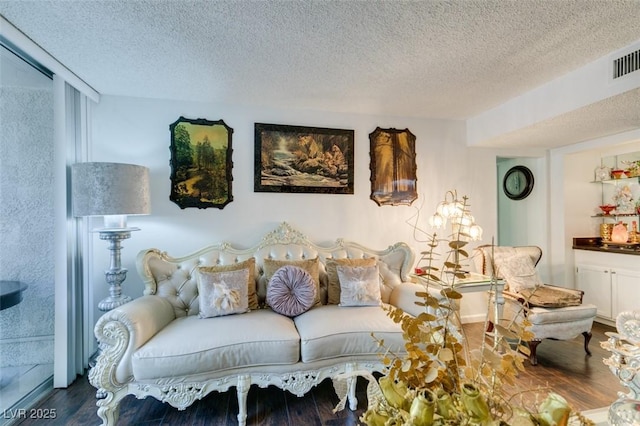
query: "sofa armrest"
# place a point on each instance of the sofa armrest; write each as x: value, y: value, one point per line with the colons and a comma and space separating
x: 120, y: 332
x: 404, y: 297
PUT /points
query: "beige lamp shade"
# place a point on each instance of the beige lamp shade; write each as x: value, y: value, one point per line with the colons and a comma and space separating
x: 105, y: 189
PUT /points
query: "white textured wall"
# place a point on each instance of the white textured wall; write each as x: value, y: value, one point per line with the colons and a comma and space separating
x: 137, y: 131
x: 525, y: 222
x: 26, y: 223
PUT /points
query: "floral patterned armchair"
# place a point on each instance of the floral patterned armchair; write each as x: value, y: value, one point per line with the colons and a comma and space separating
x: 553, y: 312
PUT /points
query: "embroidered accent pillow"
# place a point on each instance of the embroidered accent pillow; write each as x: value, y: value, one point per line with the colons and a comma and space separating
x: 291, y: 291
x: 222, y: 293
x: 249, y: 264
x: 359, y: 285
x: 312, y: 266
x: 333, y: 289
x: 519, y: 273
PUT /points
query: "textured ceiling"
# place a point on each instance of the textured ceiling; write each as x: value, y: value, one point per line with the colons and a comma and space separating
x: 437, y: 59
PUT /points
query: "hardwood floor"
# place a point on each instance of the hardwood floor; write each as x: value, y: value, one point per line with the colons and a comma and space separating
x: 563, y: 367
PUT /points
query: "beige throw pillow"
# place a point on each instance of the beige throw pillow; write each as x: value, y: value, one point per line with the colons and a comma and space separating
x: 359, y: 285
x: 222, y: 293
x: 519, y: 272
x: 333, y: 289
x: 250, y: 265
x: 549, y: 297
x: 312, y: 266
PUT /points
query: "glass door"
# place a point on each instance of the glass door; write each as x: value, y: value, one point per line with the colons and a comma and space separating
x: 26, y: 234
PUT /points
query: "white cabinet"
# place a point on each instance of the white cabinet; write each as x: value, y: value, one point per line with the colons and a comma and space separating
x: 609, y: 280
x: 624, y: 290
x: 595, y: 281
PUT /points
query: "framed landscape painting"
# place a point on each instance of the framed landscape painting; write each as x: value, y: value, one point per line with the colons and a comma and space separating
x: 393, y: 167
x: 303, y: 159
x: 201, y: 163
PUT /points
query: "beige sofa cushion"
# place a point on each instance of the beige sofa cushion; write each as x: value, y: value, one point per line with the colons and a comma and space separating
x: 190, y: 345
x: 332, y: 331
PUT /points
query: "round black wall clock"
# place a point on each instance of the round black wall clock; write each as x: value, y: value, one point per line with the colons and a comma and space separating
x: 518, y: 183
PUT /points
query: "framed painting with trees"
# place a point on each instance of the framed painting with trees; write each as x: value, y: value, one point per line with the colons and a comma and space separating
x: 303, y: 159
x: 393, y: 167
x: 201, y: 163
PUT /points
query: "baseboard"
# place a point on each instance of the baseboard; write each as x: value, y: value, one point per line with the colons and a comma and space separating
x: 473, y: 318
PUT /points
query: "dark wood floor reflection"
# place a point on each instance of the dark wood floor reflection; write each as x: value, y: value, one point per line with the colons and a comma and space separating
x: 563, y: 368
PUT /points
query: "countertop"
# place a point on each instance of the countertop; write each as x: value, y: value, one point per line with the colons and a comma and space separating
x: 596, y: 244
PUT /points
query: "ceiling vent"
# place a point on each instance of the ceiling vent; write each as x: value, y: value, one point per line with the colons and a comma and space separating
x: 626, y: 64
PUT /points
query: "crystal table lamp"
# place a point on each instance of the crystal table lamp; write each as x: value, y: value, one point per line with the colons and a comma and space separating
x: 114, y: 191
x: 463, y: 226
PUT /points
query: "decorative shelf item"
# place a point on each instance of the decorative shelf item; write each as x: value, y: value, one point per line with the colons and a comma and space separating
x: 602, y: 173
x: 607, y: 209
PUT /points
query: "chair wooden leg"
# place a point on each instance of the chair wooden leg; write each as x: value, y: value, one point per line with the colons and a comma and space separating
x: 533, y: 345
x: 587, y: 338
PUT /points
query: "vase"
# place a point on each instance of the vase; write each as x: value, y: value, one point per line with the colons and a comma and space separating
x: 444, y: 406
x: 394, y: 392
x: 554, y: 411
x: 422, y: 408
x: 474, y: 403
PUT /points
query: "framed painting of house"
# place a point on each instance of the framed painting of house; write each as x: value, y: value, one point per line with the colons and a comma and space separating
x: 393, y: 167
x: 201, y: 163
x: 303, y: 159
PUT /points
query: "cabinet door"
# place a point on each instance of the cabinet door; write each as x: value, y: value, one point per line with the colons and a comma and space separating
x: 595, y: 281
x: 624, y: 290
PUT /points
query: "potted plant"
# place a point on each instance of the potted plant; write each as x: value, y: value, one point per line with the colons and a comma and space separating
x: 439, y: 380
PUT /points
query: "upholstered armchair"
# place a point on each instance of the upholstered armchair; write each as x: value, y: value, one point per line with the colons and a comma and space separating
x: 554, y: 312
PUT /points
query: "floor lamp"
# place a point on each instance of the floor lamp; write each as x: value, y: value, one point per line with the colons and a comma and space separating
x: 114, y: 191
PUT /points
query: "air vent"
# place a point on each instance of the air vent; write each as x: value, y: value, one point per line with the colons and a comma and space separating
x: 626, y: 64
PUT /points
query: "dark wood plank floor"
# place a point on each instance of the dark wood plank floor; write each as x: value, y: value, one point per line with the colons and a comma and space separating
x: 563, y: 368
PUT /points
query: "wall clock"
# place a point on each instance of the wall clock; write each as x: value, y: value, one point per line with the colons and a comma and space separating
x: 518, y: 182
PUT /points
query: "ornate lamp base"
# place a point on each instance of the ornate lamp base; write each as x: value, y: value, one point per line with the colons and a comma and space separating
x: 116, y: 274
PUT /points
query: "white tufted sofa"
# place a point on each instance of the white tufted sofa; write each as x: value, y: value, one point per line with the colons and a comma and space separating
x: 157, y: 346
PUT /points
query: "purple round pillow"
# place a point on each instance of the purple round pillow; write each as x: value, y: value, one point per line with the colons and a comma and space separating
x: 291, y: 291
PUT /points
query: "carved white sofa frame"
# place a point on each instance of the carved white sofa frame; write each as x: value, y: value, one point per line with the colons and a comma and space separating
x: 122, y: 331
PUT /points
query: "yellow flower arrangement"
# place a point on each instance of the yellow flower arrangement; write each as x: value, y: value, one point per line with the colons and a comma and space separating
x: 439, y: 380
